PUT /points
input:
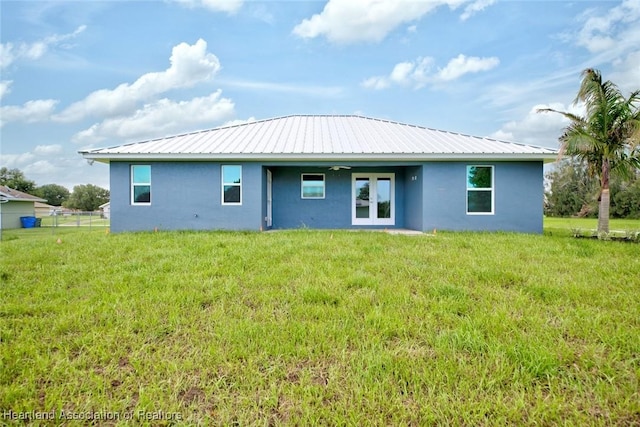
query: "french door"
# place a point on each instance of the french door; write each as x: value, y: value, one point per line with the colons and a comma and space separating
x: 373, y: 199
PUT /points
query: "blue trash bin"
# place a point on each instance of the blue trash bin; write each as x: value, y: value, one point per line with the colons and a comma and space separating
x: 28, y: 221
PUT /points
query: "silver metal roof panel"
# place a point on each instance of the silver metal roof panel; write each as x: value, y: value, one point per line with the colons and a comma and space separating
x: 328, y: 137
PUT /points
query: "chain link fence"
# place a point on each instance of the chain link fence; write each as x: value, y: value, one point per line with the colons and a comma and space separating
x: 27, y: 219
x: 74, y: 219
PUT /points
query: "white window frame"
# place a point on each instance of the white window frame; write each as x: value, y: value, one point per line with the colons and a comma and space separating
x: 373, y: 190
x: 492, y: 189
x: 223, y: 184
x: 139, y: 184
x: 324, y: 186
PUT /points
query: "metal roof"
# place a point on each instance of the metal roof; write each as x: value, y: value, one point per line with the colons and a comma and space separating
x: 322, y: 137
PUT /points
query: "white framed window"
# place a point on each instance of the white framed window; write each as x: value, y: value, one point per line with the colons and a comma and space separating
x: 140, y: 184
x: 480, y: 190
x: 231, y: 185
x: 312, y: 186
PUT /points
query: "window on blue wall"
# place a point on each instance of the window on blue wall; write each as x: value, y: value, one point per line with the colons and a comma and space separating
x: 231, y: 185
x: 140, y: 184
x: 312, y: 186
x: 480, y: 190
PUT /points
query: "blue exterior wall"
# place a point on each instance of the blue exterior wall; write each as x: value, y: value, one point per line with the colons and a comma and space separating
x: 518, y: 197
x: 290, y: 210
x: 413, y: 208
x: 185, y: 196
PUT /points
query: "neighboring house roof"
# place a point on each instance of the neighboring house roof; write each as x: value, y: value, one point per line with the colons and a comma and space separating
x: 322, y: 138
x: 40, y: 205
x: 11, y: 195
x: 105, y: 205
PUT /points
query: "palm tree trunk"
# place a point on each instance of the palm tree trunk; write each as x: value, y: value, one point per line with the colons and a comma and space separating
x: 603, y: 211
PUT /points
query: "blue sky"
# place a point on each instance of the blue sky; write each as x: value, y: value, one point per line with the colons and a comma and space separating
x: 89, y: 74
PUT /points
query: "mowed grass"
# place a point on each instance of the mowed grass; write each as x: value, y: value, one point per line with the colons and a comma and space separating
x: 564, y: 225
x: 321, y: 327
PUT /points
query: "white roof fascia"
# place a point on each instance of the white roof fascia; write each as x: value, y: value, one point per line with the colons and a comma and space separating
x: 357, y: 157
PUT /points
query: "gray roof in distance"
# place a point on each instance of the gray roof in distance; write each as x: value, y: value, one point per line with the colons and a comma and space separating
x: 322, y: 138
x: 11, y: 195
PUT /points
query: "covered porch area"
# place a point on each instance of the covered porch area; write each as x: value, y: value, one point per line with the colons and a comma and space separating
x: 330, y: 196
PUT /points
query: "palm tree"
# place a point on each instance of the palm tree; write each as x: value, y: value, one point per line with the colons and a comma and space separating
x: 607, y: 138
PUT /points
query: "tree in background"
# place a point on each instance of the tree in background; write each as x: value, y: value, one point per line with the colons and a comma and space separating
x: 625, y: 198
x: 54, y: 194
x: 87, y: 198
x: 607, y: 139
x: 572, y: 191
x: 14, y: 178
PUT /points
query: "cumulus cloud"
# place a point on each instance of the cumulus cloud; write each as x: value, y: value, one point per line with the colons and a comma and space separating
x: 190, y: 64
x: 228, y: 6
x: 462, y: 65
x: 238, y: 122
x: 420, y: 73
x: 17, y: 160
x: 602, y: 31
x: 47, y: 150
x: 351, y: 21
x: 41, y: 167
x: 29, y: 112
x: 626, y: 72
x: 160, y: 118
x: 542, y: 129
x: 10, y: 52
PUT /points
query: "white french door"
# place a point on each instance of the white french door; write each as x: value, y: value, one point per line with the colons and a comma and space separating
x: 373, y: 199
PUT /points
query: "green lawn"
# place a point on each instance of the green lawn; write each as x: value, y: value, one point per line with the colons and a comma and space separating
x: 590, y: 224
x: 319, y: 327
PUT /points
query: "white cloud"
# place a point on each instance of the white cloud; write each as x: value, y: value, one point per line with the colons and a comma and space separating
x: 602, y: 32
x: 377, y: 82
x: 228, y: 6
x: 17, y: 160
x: 462, y: 65
x: 190, y: 64
x: 161, y: 118
x: 41, y: 167
x: 5, y: 87
x: 47, y: 150
x: 626, y: 73
x: 418, y: 73
x: 542, y: 129
x: 475, y: 7
x: 350, y: 21
x: 238, y: 122
x: 10, y: 52
x: 30, y: 111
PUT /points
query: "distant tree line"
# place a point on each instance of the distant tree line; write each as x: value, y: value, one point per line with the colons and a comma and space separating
x: 86, y: 197
x: 574, y: 192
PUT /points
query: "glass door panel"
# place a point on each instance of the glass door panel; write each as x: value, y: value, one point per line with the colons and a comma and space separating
x: 383, y: 201
x: 362, y: 186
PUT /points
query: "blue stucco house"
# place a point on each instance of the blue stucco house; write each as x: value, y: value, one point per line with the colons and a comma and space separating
x: 325, y: 171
